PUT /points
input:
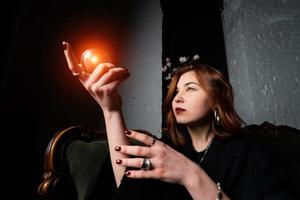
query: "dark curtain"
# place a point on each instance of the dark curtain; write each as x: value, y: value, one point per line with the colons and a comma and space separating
x: 39, y: 96
x: 193, y: 27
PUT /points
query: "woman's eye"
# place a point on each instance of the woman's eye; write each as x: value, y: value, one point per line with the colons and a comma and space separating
x: 190, y: 89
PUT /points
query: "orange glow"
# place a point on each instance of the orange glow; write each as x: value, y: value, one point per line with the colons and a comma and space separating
x: 87, y: 54
x: 90, y: 58
x: 94, y: 59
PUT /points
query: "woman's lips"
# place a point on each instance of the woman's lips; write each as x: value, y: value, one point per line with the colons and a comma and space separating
x: 179, y: 110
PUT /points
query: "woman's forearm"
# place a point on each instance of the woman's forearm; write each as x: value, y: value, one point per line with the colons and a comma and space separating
x: 201, y: 186
x: 115, y: 127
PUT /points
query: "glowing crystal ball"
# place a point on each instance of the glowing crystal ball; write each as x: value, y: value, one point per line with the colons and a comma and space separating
x: 90, y: 58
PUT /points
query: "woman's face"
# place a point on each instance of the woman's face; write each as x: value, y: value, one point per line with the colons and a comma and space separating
x: 191, y: 103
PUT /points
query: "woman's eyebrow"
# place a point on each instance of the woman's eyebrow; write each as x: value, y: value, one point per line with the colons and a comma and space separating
x: 189, y: 83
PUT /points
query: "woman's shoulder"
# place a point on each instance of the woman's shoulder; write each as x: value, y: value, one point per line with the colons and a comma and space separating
x: 245, y: 142
x: 235, y: 143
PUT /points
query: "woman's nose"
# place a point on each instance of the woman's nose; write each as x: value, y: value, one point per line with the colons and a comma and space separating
x: 178, y: 98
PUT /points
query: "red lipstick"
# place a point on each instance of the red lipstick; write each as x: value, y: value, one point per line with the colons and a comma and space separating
x: 179, y: 110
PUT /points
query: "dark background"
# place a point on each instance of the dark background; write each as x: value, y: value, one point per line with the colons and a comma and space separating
x: 39, y: 96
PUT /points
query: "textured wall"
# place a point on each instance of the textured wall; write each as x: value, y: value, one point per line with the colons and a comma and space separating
x: 262, y: 41
x: 142, y: 91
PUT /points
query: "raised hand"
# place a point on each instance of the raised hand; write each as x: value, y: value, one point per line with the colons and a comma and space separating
x: 102, y: 83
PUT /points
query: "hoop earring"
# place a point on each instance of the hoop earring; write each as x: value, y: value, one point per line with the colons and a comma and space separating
x: 216, y: 117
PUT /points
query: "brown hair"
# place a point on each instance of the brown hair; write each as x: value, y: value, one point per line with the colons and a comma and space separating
x: 221, y: 94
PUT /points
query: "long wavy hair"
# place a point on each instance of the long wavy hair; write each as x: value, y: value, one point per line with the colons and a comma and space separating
x: 220, y: 94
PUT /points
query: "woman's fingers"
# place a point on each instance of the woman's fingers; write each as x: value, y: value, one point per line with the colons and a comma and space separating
x: 130, y: 162
x: 73, y: 64
x: 108, y: 82
x: 147, y: 139
x: 98, y: 72
x: 113, y: 74
x: 142, y: 174
x: 134, y: 150
x: 115, y: 83
x: 101, y: 74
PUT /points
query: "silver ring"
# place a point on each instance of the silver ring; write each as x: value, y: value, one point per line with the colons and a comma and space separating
x: 146, y: 164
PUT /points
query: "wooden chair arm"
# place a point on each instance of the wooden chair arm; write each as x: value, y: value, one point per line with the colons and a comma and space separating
x: 55, y: 170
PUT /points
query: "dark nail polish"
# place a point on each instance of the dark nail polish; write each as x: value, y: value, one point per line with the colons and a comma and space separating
x: 127, y: 173
x: 126, y: 69
x: 118, y: 148
x: 64, y: 45
x: 118, y: 161
x: 127, y: 132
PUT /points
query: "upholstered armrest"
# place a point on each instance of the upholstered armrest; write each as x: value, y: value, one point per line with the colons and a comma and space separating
x: 286, y: 142
x: 72, y: 161
x: 285, y: 137
x: 85, y: 161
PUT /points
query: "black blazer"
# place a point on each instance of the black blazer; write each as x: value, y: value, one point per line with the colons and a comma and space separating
x: 249, y: 166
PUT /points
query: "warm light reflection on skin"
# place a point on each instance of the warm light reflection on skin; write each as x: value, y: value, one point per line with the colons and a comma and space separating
x: 90, y: 58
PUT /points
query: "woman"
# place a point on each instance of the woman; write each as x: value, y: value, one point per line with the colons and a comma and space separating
x: 204, y: 153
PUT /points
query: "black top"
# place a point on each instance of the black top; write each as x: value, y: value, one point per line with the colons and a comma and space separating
x: 247, y: 166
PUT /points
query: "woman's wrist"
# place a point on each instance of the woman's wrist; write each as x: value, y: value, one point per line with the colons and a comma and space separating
x: 192, y: 180
x: 108, y: 114
x: 199, y: 184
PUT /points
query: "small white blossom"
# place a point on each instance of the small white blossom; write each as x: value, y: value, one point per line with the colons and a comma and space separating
x: 182, y: 59
x: 165, y: 68
x: 168, y: 77
x: 171, y: 71
x: 196, y: 57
